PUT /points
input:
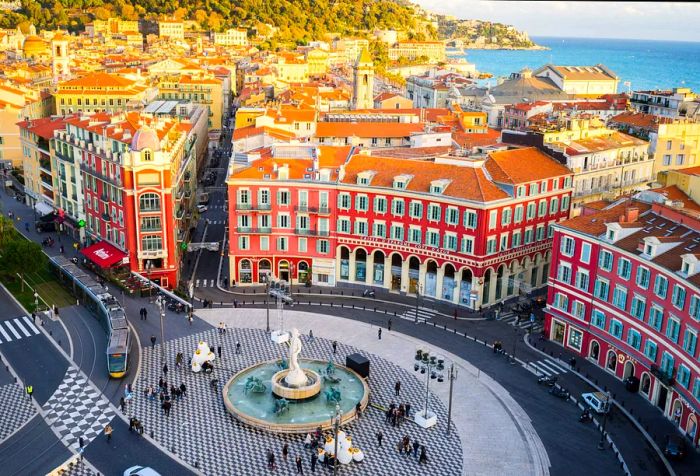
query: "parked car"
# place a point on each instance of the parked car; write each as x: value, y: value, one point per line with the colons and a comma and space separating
x: 202, y: 208
x: 141, y: 471
x: 675, y: 447
x: 598, y: 401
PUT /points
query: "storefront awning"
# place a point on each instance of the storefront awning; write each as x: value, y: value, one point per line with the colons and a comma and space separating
x: 43, y: 208
x: 103, y: 254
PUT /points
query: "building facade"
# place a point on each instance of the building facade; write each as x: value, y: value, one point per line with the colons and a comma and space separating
x: 231, y: 37
x: 624, y: 293
x: 101, y: 92
x: 663, y: 102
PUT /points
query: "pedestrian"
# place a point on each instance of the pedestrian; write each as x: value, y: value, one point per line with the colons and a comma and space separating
x: 314, y: 458
x: 270, y: 460
x: 572, y: 363
x: 423, y: 457
x: 397, y: 387
x: 387, y: 415
x: 218, y: 350
x: 380, y: 436
x: 166, y: 407
x: 26, y: 226
x: 238, y: 347
x: 379, y: 333
x: 122, y: 404
x: 30, y: 391
x: 165, y: 369
x: 311, y: 335
x: 108, y: 433
x: 400, y: 446
x: 131, y: 424
x: 416, y: 445
x: 307, y: 440
x: 235, y: 303
x: 285, y: 451
x: 178, y: 360
x: 300, y: 468
x: 455, y: 314
x: 358, y: 410
x: 388, y: 326
x: 408, y: 410
x: 153, y: 341
x: 183, y: 389
x: 34, y: 317
x: 335, y: 346
x: 81, y: 442
x: 190, y: 319
x: 145, y: 314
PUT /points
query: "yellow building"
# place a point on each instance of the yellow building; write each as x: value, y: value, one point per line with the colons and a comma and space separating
x: 174, y: 30
x: 687, y: 180
x: 412, y: 50
x: 36, y: 48
x: 581, y: 81
x: 231, y: 37
x: 100, y: 92
x: 246, y: 116
x: 291, y: 68
x: 472, y: 121
x: 112, y: 26
x: 317, y: 60
x: 207, y: 91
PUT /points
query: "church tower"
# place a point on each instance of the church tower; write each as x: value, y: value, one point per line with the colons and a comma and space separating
x: 59, y: 57
x: 363, y: 81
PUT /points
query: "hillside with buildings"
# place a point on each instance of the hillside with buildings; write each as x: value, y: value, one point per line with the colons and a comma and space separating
x: 479, y: 34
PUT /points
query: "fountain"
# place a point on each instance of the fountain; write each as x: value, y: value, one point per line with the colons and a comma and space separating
x: 297, y: 397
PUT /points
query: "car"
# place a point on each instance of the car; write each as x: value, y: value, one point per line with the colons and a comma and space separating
x: 675, y: 447
x: 141, y: 471
x: 598, y: 401
x: 202, y: 208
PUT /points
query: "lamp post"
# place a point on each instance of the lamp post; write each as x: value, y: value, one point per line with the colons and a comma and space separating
x: 336, y: 428
x: 432, y: 366
x: 161, y: 306
x: 36, y: 301
x: 452, y: 375
x: 267, y: 305
x: 291, y: 279
x: 419, y: 290
x: 515, y: 344
x: 601, y: 443
x: 149, y: 267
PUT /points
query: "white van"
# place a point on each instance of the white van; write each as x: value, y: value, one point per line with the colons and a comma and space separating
x: 598, y: 401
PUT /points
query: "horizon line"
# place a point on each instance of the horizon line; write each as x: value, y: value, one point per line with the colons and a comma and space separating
x: 605, y: 38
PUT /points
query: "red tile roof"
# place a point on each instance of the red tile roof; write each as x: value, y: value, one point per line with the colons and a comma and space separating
x: 367, y: 129
x: 524, y: 165
x: 44, y: 127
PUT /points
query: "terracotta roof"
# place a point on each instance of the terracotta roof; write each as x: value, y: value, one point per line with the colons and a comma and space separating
x: 250, y: 131
x: 583, y: 73
x: 466, y: 183
x: 476, y: 139
x: 98, y: 79
x: 641, y: 120
x: 367, y: 129
x: 44, y: 127
x: 615, y: 140
x: 524, y: 165
x: 689, y: 171
x: 676, y: 194
x: 329, y: 158
x: 594, y: 224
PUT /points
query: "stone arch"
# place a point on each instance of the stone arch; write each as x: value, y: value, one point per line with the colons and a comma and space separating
x: 611, y: 361
x: 413, y: 273
x: 449, y: 284
x: 396, y: 263
x: 628, y: 370
x: 360, y: 264
x: 645, y: 384
x: 691, y: 426
x: 344, y: 262
x: 245, y: 271
x: 677, y: 405
x: 431, y: 271
x: 594, y: 350
x: 264, y: 270
x: 500, y: 273
x: 376, y: 274
x: 303, y: 272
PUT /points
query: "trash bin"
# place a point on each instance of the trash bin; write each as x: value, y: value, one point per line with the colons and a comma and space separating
x: 632, y: 383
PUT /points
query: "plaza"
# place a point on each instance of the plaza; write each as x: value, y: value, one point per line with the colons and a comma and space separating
x: 490, y: 434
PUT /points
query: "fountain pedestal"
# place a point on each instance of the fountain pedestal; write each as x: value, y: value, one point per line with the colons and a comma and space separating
x: 282, y: 389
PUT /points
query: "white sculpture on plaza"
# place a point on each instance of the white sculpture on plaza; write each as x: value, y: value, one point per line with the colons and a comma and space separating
x: 346, y: 452
x: 296, y: 376
x: 201, y: 355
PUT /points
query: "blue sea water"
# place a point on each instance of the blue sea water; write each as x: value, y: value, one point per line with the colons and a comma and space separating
x: 646, y: 64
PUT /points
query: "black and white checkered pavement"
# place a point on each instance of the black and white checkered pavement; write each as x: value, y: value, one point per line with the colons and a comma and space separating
x: 423, y: 315
x: 510, y: 318
x: 16, y: 329
x: 202, y: 432
x: 77, y: 409
x: 17, y: 409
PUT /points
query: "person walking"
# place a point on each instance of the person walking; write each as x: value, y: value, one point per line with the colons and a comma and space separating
x: 358, y: 410
x: 218, y: 350
x: 30, y: 391
x: 407, y: 406
x: 300, y: 467
x: 572, y: 363
x: 153, y: 340
x: 122, y: 404
x: 335, y: 346
x: 145, y: 314
x: 270, y: 460
x: 238, y: 347
x: 165, y: 370
x: 108, y: 433
x: 379, y: 333
x: 285, y: 451
x: 423, y: 456
x: 314, y: 459
x: 380, y: 437
x: 178, y: 360
x: 388, y: 326
x: 416, y: 445
x: 311, y: 335
x: 397, y: 387
x: 183, y: 389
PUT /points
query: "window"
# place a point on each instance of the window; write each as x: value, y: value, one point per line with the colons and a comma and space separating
x: 683, y: 375
x: 433, y: 239
x: 243, y: 242
x: 397, y: 232
x: 264, y: 197
x: 543, y: 208
x: 361, y: 203
x: 673, y: 328
x: 565, y: 203
x: 379, y: 230
x: 696, y: 388
x: 518, y: 214
x: 151, y: 243
x: 582, y: 280
x: 322, y: 246
x: 415, y: 236
x: 543, y: 187
x: 678, y: 297
x: 149, y: 202
x: 578, y: 309
x: 343, y: 225
x: 521, y: 191
x: 528, y: 236
x: 451, y: 241
x: 283, y: 221
x: 301, y: 243
x: 554, y: 206
x: 397, y: 207
x: 533, y: 189
x: 567, y: 246
x: 265, y: 243
x: 360, y: 227
x: 470, y: 220
x: 150, y: 224
x: 638, y: 307
x: 694, y: 310
x: 616, y: 328
x: 585, y: 252
x: 505, y: 217
x: 416, y: 210
x: 379, y: 205
x: 620, y: 297
x: 575, y: 338
x: 467, y: 245
x: 667, y: 159
x: 344, y: 201
x: 643, y: 276
x: 283, y: 198
x: 530, y: 211
x: 650, y: 350
x: 601, y: 289
x: 667, y: 362
x: 598, y: 319
x: 493, y: 218
x: 605, y: 260
x: 564, y: 273
x: 690, y: 341
x: 634, y: 339
x: 656, y: 317
x: 452, y: 216
x: 660, y: 286
x: 491, y: 245
x: 282, y: 243
x: 516, y: 239
x: 434, y: 212
x: 561, y: 302
x: 624, y: 268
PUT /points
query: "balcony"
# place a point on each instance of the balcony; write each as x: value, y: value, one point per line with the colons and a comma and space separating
x: 180, y: 213
x: 305, y: 232
x: 253, y: 231
x: 322, y: 210
x: 301, y: 208
x: 665, y: 376
x: 188, y: 176
x: 263, y: 206
x: 149, y: 209
x: 106, y: 217
x: 244, y: 206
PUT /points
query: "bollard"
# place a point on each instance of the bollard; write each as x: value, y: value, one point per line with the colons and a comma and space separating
x: 59, y: 342
x: 50, y: 333
x: 455, y: 331
x: 364, y: 308
x: 341, y: 293
x: 375, y: 308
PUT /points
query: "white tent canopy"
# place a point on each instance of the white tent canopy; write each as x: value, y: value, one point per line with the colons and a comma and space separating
x: 43, y: 208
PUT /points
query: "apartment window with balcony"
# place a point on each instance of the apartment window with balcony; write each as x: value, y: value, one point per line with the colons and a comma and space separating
x: 264, y: 197
x: 490, y: 245
x: 361, y: 227
x: 661, y: 286
x: 283, y: 197
x: 578, y: 309
x: 282, y: 243
x: 243, y: 243
x: 582, y: 280
x: 264, y: 243
x: 531, y: 208
x: 638, y: 307
x: 517, y: 236
x: 379, y: 205
x: 598, y: 319
x: 416, y: 210
x: 564, y: 273
x: 397, y: 232
x: 152, y: 243
x: 244, y: 221
x: 634, y: 339
x: 264, y: 221
x: 397, y: 207
x: 150, y: 224
x: 518, y: 214
x: 361, y: 203
x: 605, y: 260
x: 673, y: 328
x: 694, y: 310
x: 244, y: 197
x: 344, y: 201
x: 452, y: 216
x: 690, y: 341
x: 528, y: 236
x: 467, y: 245
x: 601, y: 289
x: 643, y: 276
x: 620, y: 297
x: 561, y: 302
x: 434, y: 212
x: 678, y: 297
x: 624, y: 268
x: 415, y: 235
x: 379, y: 230
x: 567, y: 246
x: 470, y: 219
x: 616, y: 328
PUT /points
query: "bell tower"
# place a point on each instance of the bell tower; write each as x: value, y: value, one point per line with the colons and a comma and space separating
x: 363, y: 81
x: 59, y: 57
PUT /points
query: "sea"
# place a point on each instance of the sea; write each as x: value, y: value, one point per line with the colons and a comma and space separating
x: 646, y: 64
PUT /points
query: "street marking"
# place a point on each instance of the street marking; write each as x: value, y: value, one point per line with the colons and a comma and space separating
x: 5, y: 334
x: 557, y: 365
x: 212, y: 283
x: 12, y: 329
x: 30, y: 324
x: 21, y: 327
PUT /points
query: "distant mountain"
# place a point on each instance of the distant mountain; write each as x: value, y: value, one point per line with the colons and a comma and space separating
x: 482, y: 34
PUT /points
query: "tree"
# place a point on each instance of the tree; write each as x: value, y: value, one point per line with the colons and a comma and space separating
x: 20, y: 256
x: 8, y: 233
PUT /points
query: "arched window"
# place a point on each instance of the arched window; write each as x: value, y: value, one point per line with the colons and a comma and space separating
x: 147, y: 155
x: 149, y: 202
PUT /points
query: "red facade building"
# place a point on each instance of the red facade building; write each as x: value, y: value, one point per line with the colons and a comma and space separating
x: 469, y: 231
x: 624, y: 292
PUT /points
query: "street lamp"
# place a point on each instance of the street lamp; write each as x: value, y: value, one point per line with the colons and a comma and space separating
x: 149, y: 267
x: 161, y: 306
x: 419, y: 290
x: 336, y: 428
x: 432, y: 366
x: 36, y: 301
x: 267, y: 305
x: 515, y: 344
x: 452, y: 375
x: 601, y: 443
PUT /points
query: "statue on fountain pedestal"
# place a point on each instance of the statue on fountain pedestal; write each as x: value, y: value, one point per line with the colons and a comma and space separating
x: 296, y: 376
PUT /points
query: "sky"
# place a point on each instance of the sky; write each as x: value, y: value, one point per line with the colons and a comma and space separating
x: 630, y: 20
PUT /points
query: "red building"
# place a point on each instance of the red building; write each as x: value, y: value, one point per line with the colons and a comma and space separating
x: 469, y: 231
x: 624, y: 292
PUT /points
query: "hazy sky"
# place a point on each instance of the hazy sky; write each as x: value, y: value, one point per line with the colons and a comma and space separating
x: 654, y: 20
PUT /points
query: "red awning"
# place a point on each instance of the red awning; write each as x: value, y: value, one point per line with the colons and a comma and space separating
x: 103, y: 254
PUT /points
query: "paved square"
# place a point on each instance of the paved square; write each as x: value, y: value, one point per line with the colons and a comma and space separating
x: 201, y: 431
x: 17, y: 409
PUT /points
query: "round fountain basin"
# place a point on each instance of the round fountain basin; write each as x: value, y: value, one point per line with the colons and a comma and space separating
x: 282, y: 389
x: 303, y: 415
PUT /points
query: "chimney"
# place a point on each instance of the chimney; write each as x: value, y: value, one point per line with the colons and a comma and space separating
x: 631, y: 215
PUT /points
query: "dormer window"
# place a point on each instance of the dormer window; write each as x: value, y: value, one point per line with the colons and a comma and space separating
x: 611, y: 235
x: 649, y: 250
x: 364, y: 178
x: 689, y: 266
x: 437, y: 187
x: 401, y: 181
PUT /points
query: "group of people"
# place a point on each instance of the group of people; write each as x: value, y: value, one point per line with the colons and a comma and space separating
x: 396, y: 414
x: 404, y: 446
x: 135, y: 425
x: 166, y: 394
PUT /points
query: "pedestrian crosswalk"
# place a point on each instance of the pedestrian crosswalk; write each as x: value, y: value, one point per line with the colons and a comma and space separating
x: 16, y: 329
x: 510, y: 318
x: 216, y: 222
x: 547, y: 367
x: 423, y: 315
x: 204, y: 283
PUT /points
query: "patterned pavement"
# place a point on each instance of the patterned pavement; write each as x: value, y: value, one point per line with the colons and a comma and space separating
x: 17, y: 409
x: 77, y: 409
x: 201, y: 431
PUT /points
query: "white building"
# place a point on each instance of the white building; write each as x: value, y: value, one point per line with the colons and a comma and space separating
x: 231, y: 37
